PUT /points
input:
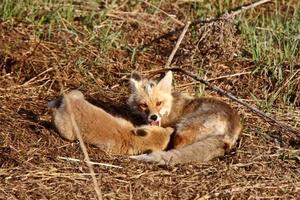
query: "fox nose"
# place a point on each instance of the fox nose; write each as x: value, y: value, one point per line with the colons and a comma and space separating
x: 153, y: 117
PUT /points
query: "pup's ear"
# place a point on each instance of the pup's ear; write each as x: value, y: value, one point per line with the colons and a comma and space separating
x: 165, y: 84
x: 169, y: 130
x: 140, y: 132
x: 55, y: 103
x: 135, y: 81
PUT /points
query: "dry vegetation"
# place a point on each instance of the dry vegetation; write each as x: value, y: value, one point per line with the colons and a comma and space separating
x: 95, y: 46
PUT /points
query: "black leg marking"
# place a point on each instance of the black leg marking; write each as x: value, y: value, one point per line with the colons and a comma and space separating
x: 148, y: 151
x: 141, y: 132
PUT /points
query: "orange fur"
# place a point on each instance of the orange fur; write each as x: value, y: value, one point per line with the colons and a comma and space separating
x: 111, y: 134
x: 205, y: 127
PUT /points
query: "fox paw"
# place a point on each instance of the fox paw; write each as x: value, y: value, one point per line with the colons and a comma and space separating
x: 143, y: 157
x: 152, y: 157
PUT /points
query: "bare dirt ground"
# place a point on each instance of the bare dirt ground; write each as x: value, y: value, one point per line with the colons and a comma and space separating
x: 264, y: 163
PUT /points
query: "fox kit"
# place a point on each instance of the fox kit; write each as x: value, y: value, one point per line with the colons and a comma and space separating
x: 97, y: 127
x: 205, y: 127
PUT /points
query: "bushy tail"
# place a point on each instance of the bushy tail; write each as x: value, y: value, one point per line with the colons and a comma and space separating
x: 201, y: 151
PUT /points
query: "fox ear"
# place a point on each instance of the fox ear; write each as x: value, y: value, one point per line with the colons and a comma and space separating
x: 135, y: 81
x: 165, y: 83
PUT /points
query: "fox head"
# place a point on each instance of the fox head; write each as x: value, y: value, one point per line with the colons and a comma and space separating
x: 153, y: 99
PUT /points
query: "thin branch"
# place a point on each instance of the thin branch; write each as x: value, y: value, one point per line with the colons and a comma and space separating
x: 164, y: 12
x: 177, y: 45
x: 213, y: 79
x: 243, y: 8
x: 228, y: 76
x: 91, y: 162
x: 288, y: 81
x: 32, y: 52
x: 84, y: 150
x: 33, y: 79
x: 222, y: 92
x: 225, y: 16
x: 79, y: 137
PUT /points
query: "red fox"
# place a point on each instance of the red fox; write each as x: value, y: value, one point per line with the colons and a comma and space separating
x: 112, y: 134
x: 205, y: 127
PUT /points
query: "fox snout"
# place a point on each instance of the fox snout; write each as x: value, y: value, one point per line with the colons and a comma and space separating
x: 154, y: 119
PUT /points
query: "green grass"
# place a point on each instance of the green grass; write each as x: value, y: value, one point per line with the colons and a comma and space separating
x: 107, y: 37
x: 11, y: 9
x: 35, y: 11
x: 271, y: 38
x: 273, y: 42
x: 50, y: 15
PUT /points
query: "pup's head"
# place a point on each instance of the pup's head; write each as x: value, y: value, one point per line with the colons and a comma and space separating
x: 153, y: 99
x: 154, y: 137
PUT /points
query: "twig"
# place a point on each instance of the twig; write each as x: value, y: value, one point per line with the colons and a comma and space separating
x: 228, y: 76
x: 274, y: 96
x: 91, y: 162
x: 33, y: 51
x: 214, y: 79
x: 85, y: 153
x: 177, y: 45
x: 232, y: 13
x: 256, y: 111
x: 32, y: 79
x: 245, y: 7
x: 164, y: 12
x: 79, y: 137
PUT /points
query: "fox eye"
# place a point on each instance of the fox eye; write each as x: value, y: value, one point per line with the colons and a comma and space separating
x: 143, y: 106
x: 159, y: 103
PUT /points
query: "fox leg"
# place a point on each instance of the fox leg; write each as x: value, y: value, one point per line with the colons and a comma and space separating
x: 188, y: 133
x: 186, y: 137
x: 201, y: 151
x: 197, y: 126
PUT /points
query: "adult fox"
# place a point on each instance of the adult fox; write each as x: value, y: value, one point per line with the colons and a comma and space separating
x: 205, y: 127
x: 109, y: 133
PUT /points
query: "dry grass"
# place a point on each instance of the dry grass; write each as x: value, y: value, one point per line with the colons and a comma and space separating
x: 264, y: 164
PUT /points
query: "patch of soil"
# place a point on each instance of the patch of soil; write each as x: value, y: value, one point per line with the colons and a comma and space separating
x: 34, y: 158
